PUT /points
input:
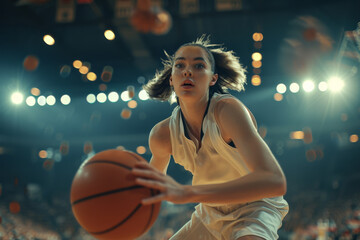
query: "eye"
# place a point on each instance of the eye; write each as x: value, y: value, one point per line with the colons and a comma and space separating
x: 199, y: 66
x: 179, y: 65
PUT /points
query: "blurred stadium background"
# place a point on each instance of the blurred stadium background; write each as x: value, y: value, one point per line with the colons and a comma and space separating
x: 71, y: 73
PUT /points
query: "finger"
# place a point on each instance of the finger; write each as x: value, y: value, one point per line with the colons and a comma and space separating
x: 150, y: 184
x: 155, y: 199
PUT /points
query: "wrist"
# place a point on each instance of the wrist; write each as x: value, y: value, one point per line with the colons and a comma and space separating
x: 189, y: 193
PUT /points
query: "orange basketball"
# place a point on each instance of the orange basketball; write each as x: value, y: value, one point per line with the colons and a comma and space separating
x: 105, y: 199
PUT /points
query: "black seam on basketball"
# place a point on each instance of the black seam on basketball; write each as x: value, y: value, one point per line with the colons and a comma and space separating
x: 121, y: 222
x: 135, y: 156
x: 151, y: 214
x: 109, y: 162
x: 106, y: 193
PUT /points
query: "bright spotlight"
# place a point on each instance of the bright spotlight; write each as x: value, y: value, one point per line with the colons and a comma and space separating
x: 30, y: 101
x: 101, y: 97
x: 113, y: 97
x: 17, y: 98
x: 50, y: 100
x: 65, y: 99
x: 109, y: 35
x: 336, y: 84
x: 323, y: 86
x: 41, y: 100
x: 49, y: 40
x: 308, y: 85
x: 91, y: 98
x: 143, y: 95
x: 281, y: 88
x: 125, y: 96
x: 294, y: 87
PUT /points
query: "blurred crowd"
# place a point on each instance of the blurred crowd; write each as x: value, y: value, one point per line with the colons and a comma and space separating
x: 313, y: 215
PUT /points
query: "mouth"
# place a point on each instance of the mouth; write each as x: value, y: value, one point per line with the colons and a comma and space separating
x: 188, y: 83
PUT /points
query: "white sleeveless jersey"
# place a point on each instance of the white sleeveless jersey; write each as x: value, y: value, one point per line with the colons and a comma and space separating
x: 216, y: 161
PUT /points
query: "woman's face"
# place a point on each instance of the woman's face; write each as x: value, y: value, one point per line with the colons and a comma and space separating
x: 191, y: 74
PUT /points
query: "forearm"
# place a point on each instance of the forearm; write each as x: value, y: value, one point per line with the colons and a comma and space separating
x: 252, y: 187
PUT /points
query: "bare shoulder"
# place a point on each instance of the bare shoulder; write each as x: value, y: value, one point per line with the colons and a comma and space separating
x: 159, y: 139
x: 229, y: 107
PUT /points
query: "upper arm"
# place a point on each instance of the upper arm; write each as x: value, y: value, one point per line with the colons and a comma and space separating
x: 237, y: 122
x: 160, y: 145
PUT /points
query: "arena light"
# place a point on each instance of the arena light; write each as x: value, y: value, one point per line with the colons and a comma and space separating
x: 256, y: 56
x: 41, y: 100
x: 65, y: 99
x: 281, y: 88
x: 323, y: 86
x: 308, y: 85
x: 50, y: 100
x: 294, y: 87
x: 336, y: 84
x: 101, y: 97
x: 143, y: 95
x: 91, y: 98
x: 17, y: 98
x: 30, y: 101
x: 113, y: 97
x: 125, y: 96
x: 49, y: 40
x: 109, y: 35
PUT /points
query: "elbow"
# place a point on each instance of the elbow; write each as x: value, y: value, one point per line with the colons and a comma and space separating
x: 282, y: 185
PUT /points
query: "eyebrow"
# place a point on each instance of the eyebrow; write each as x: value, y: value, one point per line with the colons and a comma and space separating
x: 197, y: 58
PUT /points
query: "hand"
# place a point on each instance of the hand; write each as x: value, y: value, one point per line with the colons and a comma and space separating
x: 169, y: 190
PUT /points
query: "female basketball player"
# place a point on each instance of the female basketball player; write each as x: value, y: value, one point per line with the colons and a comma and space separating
x: 237, y: 181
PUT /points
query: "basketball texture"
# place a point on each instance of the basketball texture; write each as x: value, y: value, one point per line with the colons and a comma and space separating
x: 105, y: 199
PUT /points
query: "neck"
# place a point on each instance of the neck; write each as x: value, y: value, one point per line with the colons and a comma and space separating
x: 194, y: 113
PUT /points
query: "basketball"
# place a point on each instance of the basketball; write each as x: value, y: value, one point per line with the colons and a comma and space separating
x: 105, y: 199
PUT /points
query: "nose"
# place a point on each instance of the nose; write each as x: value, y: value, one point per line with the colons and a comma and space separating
x: 187, y: 73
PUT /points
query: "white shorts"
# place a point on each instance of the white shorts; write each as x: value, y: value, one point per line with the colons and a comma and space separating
x: 232, y: 221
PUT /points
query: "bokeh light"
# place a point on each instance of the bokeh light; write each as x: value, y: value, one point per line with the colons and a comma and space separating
x: 65, y: 99
x: 90, y: 98
x: 278, y: 97
x: 132, y: 104
x: 141, y: 150
x: 256, y: 56
x: 43, y: 154
x: 35, y: 91
x: 257, y: 37
x: 83, y: 69
x: 126, y: 113
x: 91, y: 76
x: 308, y: 85
x: 323, y: 86
x: 255, y: 80
x: 113, y: 97
x: 336, y: 84
x: 101, y: 97
x: 17, y: 98
x: 143, y: 95
x: 30, y: 101
x: 281, y: 88
x: 294, y: 87
x: 256, y: 64
x: 354, y: 138
x: 49, y: 40
x: 125, y: 96
x: 41, y: 100
x: 77, y: 64
x: 109, y: 35
x: 50, y: 100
